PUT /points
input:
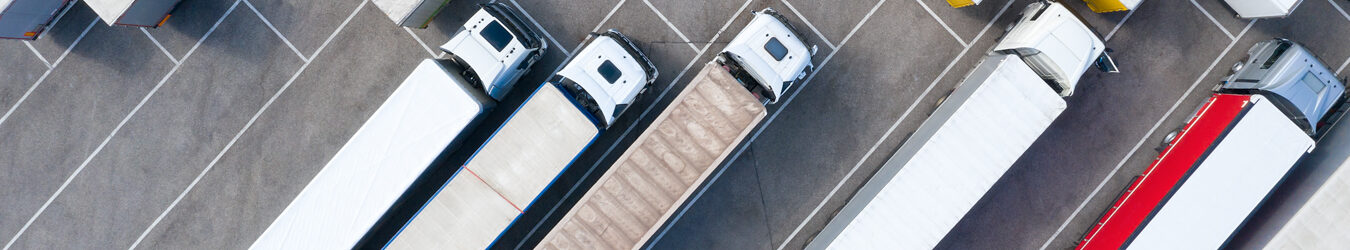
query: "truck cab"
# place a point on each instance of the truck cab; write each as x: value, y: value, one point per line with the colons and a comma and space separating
x: 1056, y: 44
x: 1291, y: 76
x: 768, y: 56
x: 607, y: 76
x: 495, y: 48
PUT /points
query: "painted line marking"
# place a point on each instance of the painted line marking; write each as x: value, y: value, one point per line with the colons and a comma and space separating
x: 809, y: 25
x: 116, y: 129
x: 545, y: 31
x: 39, y: 55
x: 1211, y: 19
x: 1164, y: 117
x: 39, y: 83
x: 419, y: 41
x: 944, y: 24
x: 1342, y: 68
x: 1338, y: 9
x: 644, y: 114
x: 1111, y: 34
x: 672, y: 26
x: 248, y: 125
x: 278, y: 32
x: 161, y: 46
x: 891, y: 130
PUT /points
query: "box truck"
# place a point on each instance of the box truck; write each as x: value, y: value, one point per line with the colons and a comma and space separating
x: 411, y: 13
x: 558, y: 122
x: 27, y: 19
x: 137, y: 13
x: 691, y: 137
x: 424, y: 118
x: 1224, y: 162
x: 973, y: 137
x: 1263, y: 8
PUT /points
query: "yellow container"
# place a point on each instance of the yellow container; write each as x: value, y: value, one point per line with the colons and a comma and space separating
x: 1104, y: 6
x: 961, y: 3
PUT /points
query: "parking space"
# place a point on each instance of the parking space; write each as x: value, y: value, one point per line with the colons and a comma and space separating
x: 199, y: 133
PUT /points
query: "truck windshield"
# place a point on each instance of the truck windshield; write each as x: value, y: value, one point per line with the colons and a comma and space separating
x: 496, y: 35
x: 609, y: 71
x: 775, y: 49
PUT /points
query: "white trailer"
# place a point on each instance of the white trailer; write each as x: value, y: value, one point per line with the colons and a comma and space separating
x: 137, y: 13
x: 411, y: 13
x: 1319, y: 207
x: 426, y: 116
x: 1263, y: 8
x: 27, y: 19
x: 972, y: 138
x: 539, y: 141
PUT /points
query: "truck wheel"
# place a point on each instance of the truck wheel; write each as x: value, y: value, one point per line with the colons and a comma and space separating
x: 1168, y: 139
x: 941, y: 100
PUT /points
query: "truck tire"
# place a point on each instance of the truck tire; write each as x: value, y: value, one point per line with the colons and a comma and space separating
x: 941, y: 100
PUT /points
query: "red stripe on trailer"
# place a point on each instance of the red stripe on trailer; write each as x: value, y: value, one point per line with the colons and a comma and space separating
x: 1133, y: 209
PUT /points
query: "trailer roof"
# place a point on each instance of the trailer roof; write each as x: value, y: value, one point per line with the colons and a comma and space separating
x: 662, y: 167
x: 950, y: 162
x: 519, y: 161
x: 398, y: 10
x: 1317, y: 214
x: 110, y: 10
x: 1229, y: 183
x: 396, y: 145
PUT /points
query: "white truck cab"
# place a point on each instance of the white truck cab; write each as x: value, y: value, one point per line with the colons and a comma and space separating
x: 1055, y: 43
x: 1291, y: 76
x: 607, y: 76
x: 495, y: 49
x: 769, y: 53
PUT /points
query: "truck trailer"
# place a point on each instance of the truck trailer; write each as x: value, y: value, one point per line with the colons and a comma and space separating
x: 1099, y: 6
x: 422, y: 120
x: 1263, y: 8
x: 1317, y: 214
x: 136, y: 13
x: 973, y: 137
x: 540, y: 140
x: 1215, y: 171
x: 426, y: 116
x: 681, y: 148
x: 411, y: 13
x: 27, y: 19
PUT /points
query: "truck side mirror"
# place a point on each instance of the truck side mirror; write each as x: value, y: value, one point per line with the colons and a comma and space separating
x: 1106, y: 64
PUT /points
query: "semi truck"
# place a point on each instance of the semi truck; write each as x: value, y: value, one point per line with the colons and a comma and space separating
x: 495, y: 58
x: 27, y: 19
x: 688, y: 140
x: 411, y: 13
x: 1263, y: 8
x: 540, y: 140
x: 1315, y: 213
x: 972, y: 138
x: 1215, y: 171
x: 423, y: 119
x: 136, y: 13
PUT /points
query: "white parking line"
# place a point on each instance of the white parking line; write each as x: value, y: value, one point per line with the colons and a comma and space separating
x: 809, y: 25
x: 1211, y: 19
x: 1342, y: 68
x: 39, y: 55
x: 116, y: 129
x: 944, y: 24
x: 672, y: 26
x: 161, y: 46
x: 891, y: 130
x: 44, y: 76
x: 1339, y: 9
x: 278, y: 32
x: 1111, y: 34
x: 1134, y: 150
x: 248, y: 125
x: 419, y: 41
x: 644, y: 113
x: 545, y: 31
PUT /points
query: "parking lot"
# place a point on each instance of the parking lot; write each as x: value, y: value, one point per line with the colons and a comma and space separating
x: 198, y: 133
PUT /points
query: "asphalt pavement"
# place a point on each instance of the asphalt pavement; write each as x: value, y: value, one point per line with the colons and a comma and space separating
x: 198, y: 133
